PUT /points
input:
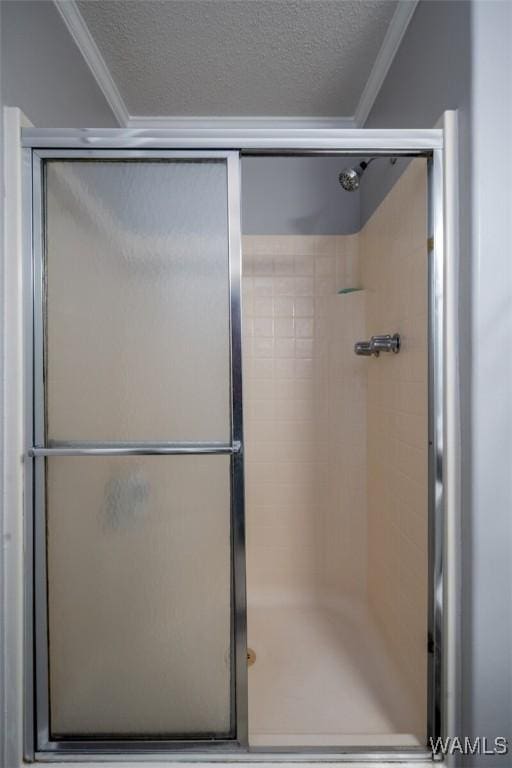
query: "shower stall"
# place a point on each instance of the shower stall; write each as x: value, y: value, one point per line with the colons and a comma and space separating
x: 336, y: 455
x: 234, y: 489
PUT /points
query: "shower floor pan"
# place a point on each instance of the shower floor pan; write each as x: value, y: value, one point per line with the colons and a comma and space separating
x: 323, y: 678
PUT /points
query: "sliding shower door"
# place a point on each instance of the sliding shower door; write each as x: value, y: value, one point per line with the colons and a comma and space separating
x: 139, y: 575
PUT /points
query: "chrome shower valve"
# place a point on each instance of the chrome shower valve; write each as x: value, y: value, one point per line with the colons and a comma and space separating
x: 377, y: 344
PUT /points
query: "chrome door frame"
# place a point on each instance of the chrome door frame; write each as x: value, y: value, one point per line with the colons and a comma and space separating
x: 37, y: 449
x: 427, y: 143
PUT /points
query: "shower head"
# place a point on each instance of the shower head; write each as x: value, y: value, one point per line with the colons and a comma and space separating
x: 350, y: 178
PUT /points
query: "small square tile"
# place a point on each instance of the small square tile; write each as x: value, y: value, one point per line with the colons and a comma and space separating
x: 284, y: 306
x: 283, y: 389
x: 304, y: 389
x: 283, y: 265
x: 286, y: 409
x: 304, y: 266
x: 263, y: 307
x: 304, y: 306
x: 248, y: 305
x: 262, y: 389
x: 321, y: 327
x: 325, y: 245
x: 263, y: 286
x: 284, y: 286
x: 262, y: 410
x: 248, y: 327
x: 262, y: 265
x: 263, y: 368
x: 304, y: 328
x: 325, y: 266
x: 263, y: 347
x: 284, y: 327
x: 284, y: 347
x: 284, y: 369
x: 304, y: 348
x: 321, y: 306
x: 324, y: 286
x: 263, y: 326
x: 304, y: 286
x: 247, y: 266
x: 247, y: 285
x: 304, y: 369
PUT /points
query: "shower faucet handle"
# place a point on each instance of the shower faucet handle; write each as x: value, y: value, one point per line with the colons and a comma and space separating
x: 377, y: 344
x: 385, y: 343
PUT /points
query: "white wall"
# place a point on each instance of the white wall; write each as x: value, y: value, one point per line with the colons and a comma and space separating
x: 488, y: 551
x: 2, y: 418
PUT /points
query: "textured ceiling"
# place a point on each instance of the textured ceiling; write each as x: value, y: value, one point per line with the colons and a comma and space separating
x: 239, y: 57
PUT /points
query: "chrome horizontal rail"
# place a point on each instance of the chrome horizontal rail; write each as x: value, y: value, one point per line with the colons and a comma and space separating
x: 208, y: 137
x: 134, y: 449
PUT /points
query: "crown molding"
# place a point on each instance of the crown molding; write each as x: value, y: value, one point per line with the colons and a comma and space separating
x: 239, y: 123
x: 390, y: 45
x: 79, y: 31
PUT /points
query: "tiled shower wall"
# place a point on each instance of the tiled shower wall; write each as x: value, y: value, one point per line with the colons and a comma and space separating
x: 393, y: 247
x: 343, y: 541
x: 289, y: 286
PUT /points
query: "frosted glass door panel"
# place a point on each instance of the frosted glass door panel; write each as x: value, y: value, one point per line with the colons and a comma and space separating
x: 137, y: 300
x: 139, y: 595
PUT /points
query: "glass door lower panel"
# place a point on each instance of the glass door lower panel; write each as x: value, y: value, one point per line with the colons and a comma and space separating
x: 139, y: 596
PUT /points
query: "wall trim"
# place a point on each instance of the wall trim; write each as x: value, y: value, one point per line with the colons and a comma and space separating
x: 359, y: 141
x: 79, y: 31
x: 388, y: 50
x: 228, y: 123
x: 12, y: 648
x: 453, y: 528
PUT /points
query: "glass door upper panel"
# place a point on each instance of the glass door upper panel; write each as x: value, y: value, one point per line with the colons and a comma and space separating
x: 137, y: 300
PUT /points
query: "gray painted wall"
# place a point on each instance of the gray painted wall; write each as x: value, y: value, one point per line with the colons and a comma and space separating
x: 430, y: 73
x: 44, y: 73
x: 456, y: 55
x: 297, y: 196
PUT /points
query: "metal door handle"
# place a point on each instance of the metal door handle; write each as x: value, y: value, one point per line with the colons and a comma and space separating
x: 133, y: 449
